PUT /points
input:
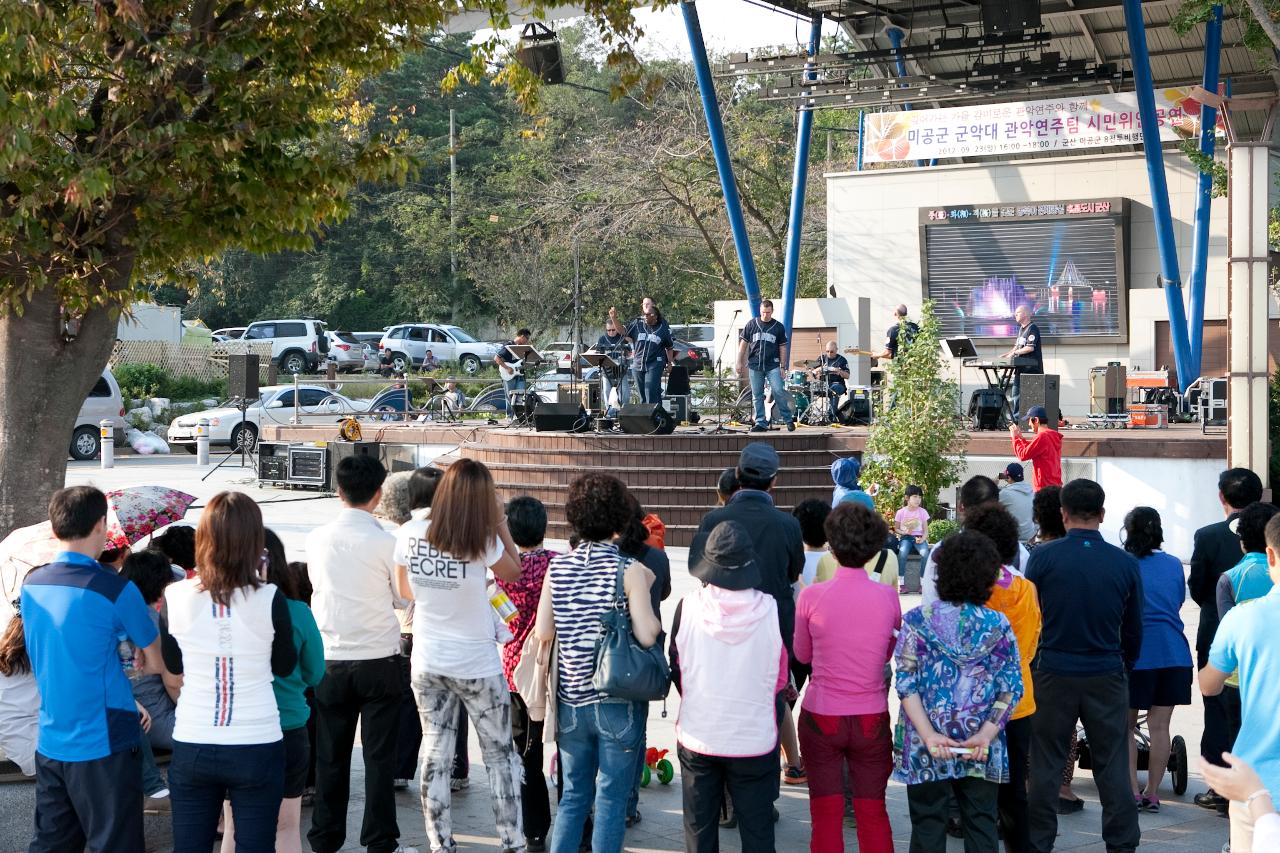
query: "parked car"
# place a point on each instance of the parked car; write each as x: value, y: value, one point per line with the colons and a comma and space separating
x: 369, y: 337
x: 103, y: 403
x: 408, y: 344
x: 297, y: 346
x: 230, y: 333
x: 691, y: 355
x: 695, y: 333
x: 350, y: 354
x: 275, y: 403
x: 560, y: 354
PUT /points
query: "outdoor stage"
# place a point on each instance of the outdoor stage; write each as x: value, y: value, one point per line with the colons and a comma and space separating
x: 1173, y: 469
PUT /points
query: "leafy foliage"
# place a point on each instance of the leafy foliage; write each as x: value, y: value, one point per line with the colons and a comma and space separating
x: 941, y: 528
x: 915, y: 439
x: 142, y: 381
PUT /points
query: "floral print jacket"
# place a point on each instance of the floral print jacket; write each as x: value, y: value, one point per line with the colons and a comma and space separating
x: 962, y: 661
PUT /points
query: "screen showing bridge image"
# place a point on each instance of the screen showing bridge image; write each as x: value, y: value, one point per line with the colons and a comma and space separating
x: 1064, y: 260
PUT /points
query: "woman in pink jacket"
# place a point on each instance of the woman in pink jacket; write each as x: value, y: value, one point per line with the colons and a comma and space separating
x: 729, y: 664
x: 844, y: 718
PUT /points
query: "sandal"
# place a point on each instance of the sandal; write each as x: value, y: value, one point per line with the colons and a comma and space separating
x: 1151, y: 804
x: 794, y: 775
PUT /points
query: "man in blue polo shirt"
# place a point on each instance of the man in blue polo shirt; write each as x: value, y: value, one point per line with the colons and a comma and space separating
x: 1246, y: 644
x: 1091, y: 602
x: 75, y: 615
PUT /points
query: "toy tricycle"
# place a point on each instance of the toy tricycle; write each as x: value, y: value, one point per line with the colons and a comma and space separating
x: 654, y: 762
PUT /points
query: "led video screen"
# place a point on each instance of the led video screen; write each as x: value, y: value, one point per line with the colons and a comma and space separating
x: 1064, y: 260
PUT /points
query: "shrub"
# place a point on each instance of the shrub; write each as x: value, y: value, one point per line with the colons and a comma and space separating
x: 941, y: 528
x: 140, y: 381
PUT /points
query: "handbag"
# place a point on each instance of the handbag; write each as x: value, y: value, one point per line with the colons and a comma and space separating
x: 623, y: 669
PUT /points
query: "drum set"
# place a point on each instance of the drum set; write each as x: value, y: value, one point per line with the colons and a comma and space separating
x: 820, y: 401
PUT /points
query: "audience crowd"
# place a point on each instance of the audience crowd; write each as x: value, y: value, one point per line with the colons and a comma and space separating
x: 256, y: 674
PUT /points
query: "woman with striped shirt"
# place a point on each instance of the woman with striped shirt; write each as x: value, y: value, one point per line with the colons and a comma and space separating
x: 598, y: 737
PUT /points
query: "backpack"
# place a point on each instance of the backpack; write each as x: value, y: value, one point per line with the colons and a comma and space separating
x: 907, y: 334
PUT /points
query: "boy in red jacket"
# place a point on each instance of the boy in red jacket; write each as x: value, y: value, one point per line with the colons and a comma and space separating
x: 1043, y: 451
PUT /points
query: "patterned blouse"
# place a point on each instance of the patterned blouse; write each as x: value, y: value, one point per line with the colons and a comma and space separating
x: 962, y: 661
x: 524, y: 594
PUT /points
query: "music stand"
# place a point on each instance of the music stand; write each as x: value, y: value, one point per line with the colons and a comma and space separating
x: 604, y: 363
x: 961, y: 348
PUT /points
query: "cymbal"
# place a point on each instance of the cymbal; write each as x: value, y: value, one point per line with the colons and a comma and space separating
x: 806, y: 364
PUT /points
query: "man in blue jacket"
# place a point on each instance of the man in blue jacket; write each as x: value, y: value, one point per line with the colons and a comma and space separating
x: 1091, y: 601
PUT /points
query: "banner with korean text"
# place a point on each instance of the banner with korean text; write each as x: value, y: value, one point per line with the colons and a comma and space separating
x: 1058, y: 124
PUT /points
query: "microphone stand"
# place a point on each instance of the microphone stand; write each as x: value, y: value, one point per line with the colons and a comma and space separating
x: 720, y: 427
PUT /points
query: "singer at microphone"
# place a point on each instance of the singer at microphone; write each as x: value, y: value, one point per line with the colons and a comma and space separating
x: 652, y: 347
x: 762, y: 347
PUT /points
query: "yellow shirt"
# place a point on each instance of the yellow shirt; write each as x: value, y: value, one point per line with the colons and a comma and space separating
x: 1016, y: 599
x: 888, y: 575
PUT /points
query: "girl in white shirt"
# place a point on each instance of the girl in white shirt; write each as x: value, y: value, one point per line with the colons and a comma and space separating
x: 19, y: 699
x: 442, y: 563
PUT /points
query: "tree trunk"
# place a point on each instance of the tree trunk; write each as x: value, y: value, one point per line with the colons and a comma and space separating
x: 43, y: 382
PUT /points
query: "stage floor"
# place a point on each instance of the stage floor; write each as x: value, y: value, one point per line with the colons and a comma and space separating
x: 1178, y: 441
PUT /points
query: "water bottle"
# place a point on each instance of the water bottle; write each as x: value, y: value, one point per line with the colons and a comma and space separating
x: 502, y: 606
x: 125, y: 649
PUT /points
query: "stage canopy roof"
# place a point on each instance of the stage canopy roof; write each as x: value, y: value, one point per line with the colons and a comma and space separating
x: 951, y: 59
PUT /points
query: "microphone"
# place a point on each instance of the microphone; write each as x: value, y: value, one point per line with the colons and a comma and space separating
x: 737, y: 311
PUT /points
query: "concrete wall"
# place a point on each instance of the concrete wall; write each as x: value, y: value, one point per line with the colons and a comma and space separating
x: 873, y: 242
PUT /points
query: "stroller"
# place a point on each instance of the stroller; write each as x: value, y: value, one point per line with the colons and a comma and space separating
x: 1178, y: 768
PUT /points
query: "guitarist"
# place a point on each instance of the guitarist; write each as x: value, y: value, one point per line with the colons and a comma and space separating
x: 614, y: 344
x: 507, y: 363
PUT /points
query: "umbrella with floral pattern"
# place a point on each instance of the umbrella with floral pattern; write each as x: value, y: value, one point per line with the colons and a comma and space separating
x: 138, y: 511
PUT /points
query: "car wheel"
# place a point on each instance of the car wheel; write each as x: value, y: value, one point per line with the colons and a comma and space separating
x: 244, y: 436
x: 400, y: 363
x: 470, y: 363
x: 294, y: 362
x: 85, y: 443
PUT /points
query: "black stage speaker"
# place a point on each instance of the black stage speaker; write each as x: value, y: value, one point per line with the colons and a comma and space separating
x: 985, y: 407
x: 394, y: 457
x: 539, y: 51
x: 1009, y: 16
x: 857, y: 408
x: 560, y: 417
x: 678, y: 382
x: 646, y: 419
x: 242, y: 376
x: 1040, y: 389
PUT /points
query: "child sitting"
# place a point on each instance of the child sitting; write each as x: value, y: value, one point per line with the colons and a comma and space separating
x: 911, y: 524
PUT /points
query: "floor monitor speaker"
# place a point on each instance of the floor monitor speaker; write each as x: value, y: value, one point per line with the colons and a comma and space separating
x: 560, y: 417
x: 984, y: 408
x: 646, y: 419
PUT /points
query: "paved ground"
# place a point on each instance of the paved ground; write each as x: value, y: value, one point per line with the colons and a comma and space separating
x: 1180, y: 826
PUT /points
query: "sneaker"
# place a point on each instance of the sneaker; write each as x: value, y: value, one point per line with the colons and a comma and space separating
x: 633, y: 819
x: 459, y: 783
x: 794, y: 775
x: 157, y: 805
x: 400, y: 784
x: 403, y: 849
x: 1210, y: 799
x: 1069, y: 806
x: 759, y: 428
x: 1151, y: 804
x: 791, y: 426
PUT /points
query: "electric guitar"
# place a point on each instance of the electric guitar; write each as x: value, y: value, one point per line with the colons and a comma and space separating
x: 509, y: 370
x: 856, y: 351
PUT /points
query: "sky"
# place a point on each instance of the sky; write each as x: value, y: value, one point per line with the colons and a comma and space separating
x: 727, y: 25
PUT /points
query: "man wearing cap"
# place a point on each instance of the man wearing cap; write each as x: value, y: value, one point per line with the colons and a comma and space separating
x: 727, y: 729
x: 1043, y: 451
x: 775, y: 535
x: 1016, y: 496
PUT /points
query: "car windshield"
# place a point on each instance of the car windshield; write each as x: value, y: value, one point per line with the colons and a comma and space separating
x: 699, y: 334
x: 459, y: 335
x: 346, y: 337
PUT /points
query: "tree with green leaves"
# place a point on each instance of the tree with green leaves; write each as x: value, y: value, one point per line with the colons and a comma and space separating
x: 916, y: 438
x: 137, y: 137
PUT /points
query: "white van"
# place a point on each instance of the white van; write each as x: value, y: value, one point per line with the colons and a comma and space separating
x: 103, y: 403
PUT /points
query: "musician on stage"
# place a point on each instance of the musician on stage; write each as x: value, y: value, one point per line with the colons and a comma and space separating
x: 762, y: 346
x: 901, y: 325
x: 1027, y: 348
x: 507, y: 359
x: 832, y: 368
x: 614, y: 344
x: 653, y: 349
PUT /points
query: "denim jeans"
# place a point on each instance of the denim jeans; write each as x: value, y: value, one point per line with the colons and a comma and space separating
x: 152, y: 781
x: 781, y: 400
x: 598, y: 745
x: 649, y: 382
x: 907, y: 544
x: 624, y: 392
x: 201, y: 776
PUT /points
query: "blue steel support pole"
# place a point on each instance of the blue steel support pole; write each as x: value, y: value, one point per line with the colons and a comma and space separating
x: 1165, y: 242
x: 862, y: 129
x: 720, y: 149
x: 1204, y: 188
x: 799, y: 177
